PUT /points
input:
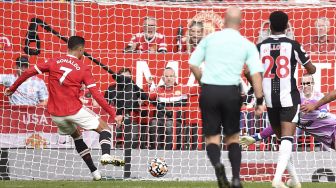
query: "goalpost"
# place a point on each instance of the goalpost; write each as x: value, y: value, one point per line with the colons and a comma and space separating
x: 31, y: 148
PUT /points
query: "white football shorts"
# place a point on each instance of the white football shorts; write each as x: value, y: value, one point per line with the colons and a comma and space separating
x: 85, y: 118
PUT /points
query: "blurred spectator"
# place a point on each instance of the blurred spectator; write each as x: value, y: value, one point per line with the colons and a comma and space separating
x: 265, y: 31
x: 125, y: 96
x: 321, y: 41
x: 149, y: 41
x: 168, y: 95
x: 194, y: 36
x: 32, y: 92
x: 5, y: 44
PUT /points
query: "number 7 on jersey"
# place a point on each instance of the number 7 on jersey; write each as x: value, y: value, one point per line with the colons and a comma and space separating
x: 66, y: 72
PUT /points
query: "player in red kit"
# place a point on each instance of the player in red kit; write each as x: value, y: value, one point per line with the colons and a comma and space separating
x: 148, y: 41
x: 169, y: 94
x: 66, y: 76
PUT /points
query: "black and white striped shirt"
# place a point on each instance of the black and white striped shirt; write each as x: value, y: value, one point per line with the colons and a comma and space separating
x: 280, y: 56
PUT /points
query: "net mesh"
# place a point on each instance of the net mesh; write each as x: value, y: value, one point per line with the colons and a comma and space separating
x: 30, y: 146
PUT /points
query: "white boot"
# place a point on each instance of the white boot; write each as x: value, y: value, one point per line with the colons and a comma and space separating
x: 108, y: 159
x: 292, y: 184
x: 96, y: 175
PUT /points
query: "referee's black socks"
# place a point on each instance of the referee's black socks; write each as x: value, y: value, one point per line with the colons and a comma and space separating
x: 214, y: 153
x: 235, y: 159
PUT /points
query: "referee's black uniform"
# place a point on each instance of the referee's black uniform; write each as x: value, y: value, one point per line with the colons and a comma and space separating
x: 225, y: 53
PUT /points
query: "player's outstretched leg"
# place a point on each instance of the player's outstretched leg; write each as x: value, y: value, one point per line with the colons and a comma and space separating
x: 84, y: 152
x: 245, y: 141
x: 213, y: 151
x: 105, y: 143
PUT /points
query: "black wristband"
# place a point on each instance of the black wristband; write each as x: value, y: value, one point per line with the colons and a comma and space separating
x: 260, y: 101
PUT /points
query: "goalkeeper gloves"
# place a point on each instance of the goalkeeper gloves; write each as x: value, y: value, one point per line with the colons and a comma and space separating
x: 245, y: 141
x: 323, y: 114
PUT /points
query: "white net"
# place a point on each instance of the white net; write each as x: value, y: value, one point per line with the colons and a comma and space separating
x: 30, y: 145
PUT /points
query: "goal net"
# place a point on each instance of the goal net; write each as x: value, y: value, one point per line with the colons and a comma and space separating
x: 30, y: 146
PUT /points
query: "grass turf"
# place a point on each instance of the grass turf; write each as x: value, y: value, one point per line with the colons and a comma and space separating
x: 138, y: 184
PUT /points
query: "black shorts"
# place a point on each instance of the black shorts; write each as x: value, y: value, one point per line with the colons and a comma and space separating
x: 283, y: 114
x: 220, y: 108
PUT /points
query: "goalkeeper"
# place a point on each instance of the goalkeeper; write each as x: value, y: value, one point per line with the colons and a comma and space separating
x: 127, y: 97
x: 318, y: 123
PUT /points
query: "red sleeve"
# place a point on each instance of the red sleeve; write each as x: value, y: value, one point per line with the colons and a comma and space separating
x: 101, y: 101
x: 194, y: 90
x: 191, y: 90
x: 88, y: 78
x: 152, y: 95
x: 25, y: 75
x: 43, y: 67
x: 91, y: 85
x: 134, y: 40
x: 36, y: 69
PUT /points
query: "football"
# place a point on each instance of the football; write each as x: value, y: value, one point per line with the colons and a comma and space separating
x: 157, y: 167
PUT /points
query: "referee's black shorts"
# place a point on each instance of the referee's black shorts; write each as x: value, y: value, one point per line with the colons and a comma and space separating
x: 220, y: 107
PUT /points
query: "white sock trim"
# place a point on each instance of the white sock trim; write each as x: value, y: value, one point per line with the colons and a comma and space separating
x: 105, y: 142
x: 84, y: 152
x: 78, y: 138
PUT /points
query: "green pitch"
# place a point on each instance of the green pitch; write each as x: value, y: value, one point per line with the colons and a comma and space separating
x: 137, y: 184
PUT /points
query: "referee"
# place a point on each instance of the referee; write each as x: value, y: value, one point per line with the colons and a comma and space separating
x: 225, y: 53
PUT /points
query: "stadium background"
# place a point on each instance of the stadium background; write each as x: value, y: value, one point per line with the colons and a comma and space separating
x: 108, y: 27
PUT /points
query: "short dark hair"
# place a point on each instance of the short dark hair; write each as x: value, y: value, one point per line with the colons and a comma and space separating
x: 278, y: 21
x: 169, y: 68
x: 75, y: 41
x: 22, y: 61
x: 124, y: 69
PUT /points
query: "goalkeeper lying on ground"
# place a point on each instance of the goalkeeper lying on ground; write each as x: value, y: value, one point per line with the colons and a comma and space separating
x: 319, y: 123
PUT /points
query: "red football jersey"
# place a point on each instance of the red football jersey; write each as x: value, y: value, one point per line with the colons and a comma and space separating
x: 66, y: 75
x: 156, y: 44
x: 176, y: 93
